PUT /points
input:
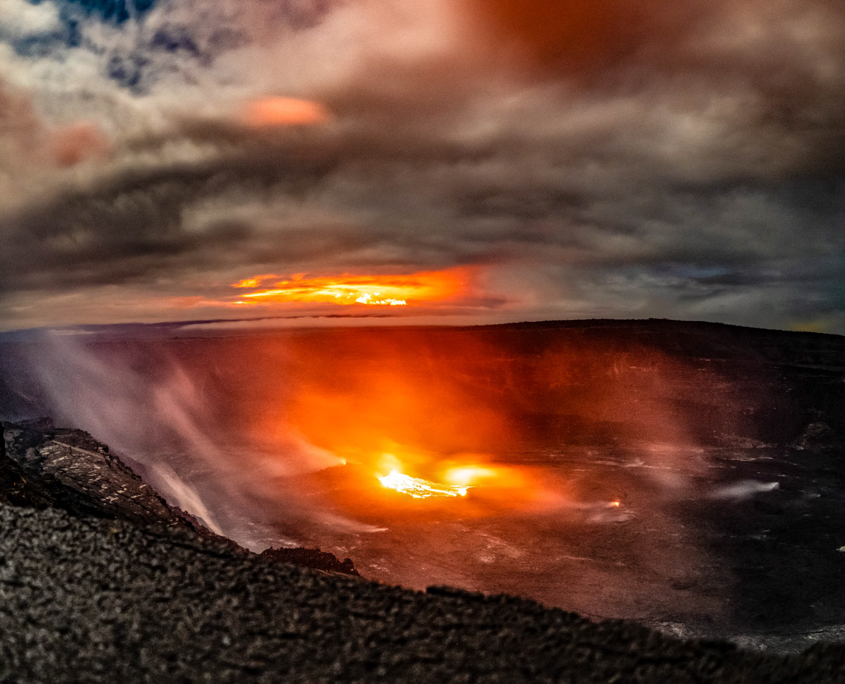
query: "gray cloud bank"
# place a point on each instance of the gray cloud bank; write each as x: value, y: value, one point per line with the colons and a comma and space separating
x: 688, y: 165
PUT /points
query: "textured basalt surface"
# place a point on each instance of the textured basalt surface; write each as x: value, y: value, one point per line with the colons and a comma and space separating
x: 103, y: 601
x: 42, y: 466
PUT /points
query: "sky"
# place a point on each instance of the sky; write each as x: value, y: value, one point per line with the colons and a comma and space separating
x: 329, y: 162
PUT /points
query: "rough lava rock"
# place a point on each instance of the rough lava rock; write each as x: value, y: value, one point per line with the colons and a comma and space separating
x: 43, y: 466
x: 47, y: 467
x: 313, y: 558
x: 93, y: 600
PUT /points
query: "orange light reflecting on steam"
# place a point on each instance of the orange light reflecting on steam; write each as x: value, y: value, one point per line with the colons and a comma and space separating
x: 468, y: 476
x: 425, y: 427
x: 284, y: 111
x: 399, y: 290
x: 393, y: 401
x: 461, y: 407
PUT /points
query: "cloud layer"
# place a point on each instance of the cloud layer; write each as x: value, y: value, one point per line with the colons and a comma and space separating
x: 585, y: 159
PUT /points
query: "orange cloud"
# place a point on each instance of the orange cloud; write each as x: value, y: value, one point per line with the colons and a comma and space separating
x: 284, y: 111
x: 78, y: 142
x: 579, y: 37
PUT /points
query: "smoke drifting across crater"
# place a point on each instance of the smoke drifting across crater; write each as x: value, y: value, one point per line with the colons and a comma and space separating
x: 169, y: 417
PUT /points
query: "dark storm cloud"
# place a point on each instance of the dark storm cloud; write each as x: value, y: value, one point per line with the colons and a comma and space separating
x: 772, y: 72
x: 131, y: 226
x: 691, y: 153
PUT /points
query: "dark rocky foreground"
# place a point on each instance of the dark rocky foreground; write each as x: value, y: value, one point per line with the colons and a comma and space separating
x: 43, y: 467
x: 92, y: 600
x: 102, y: 581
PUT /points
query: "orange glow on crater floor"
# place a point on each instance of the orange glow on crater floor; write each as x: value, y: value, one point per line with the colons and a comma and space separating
x: 419, y: 488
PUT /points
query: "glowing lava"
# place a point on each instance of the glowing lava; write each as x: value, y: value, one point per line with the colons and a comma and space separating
x: 399, y: 290
x: 419, y: 488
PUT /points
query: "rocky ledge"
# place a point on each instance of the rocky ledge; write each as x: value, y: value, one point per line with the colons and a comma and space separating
x: 42, y: 466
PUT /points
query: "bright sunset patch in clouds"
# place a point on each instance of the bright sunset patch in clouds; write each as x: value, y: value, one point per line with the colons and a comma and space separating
x: 284, y: 111
x: 419, y: 288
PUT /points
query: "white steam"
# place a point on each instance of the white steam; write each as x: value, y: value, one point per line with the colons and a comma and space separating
x: 183, y: 495
x: 149, y: 408
x: 744, y: 490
